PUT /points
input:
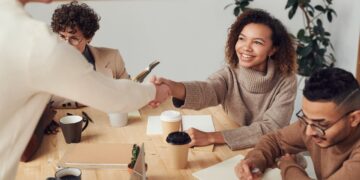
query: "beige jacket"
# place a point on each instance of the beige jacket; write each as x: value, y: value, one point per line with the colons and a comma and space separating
x: 108, y: 62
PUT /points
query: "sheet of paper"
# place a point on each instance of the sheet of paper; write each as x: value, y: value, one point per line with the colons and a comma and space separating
x: 225, y: 170
x: 201, y: 122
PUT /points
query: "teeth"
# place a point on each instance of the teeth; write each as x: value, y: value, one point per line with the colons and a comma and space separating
x: 245, y: 57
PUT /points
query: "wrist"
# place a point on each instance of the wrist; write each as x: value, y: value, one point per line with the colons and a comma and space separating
x: 216, y: 138
x: 179, y: 91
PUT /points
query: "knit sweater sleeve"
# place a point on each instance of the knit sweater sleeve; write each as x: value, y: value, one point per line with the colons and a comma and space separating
x: 275, y: 117
x: 202, y: 94
x: 274, y: 145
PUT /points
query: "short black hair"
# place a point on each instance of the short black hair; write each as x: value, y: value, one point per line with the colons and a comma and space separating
x: 330, y: 84
x: 75, y: 15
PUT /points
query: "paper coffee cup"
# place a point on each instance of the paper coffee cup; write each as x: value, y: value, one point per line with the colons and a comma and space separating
x: 177, y: 150
x: 170, y: 122
x: 118, y: 119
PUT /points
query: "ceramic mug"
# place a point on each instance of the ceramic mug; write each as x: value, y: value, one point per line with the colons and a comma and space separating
x: 69, y: 173
x: 72, y: 126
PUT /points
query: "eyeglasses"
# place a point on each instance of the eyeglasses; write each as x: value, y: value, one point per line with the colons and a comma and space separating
x: 320, y: 131
x: 73, y: 40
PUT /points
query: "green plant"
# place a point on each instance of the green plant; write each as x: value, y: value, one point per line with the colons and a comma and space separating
x: 240, y: 5
x: 135, y: 153
x: 314, y: 49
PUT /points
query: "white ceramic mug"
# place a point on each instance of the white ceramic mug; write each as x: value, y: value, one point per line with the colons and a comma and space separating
x: 118, y: 119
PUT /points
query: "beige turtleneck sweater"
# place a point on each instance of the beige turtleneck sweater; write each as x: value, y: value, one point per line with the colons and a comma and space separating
x: 259, y: 103
x: 340, y: 161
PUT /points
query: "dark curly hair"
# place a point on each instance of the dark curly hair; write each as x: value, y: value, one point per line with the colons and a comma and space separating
x: 75, y: 15
x: 333, y: 85
x: 285, y: 56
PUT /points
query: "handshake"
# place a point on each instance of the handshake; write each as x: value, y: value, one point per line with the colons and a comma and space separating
x: 166, y: 88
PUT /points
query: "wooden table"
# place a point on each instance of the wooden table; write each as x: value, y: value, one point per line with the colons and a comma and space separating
x: 54, y: 146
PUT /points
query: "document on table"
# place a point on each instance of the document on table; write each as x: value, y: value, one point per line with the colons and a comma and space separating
x: 201, y: 122
x: 225, y: 170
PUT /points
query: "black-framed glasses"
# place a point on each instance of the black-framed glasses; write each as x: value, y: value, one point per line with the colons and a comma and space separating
x: 320, y: 131
x: 73, y: 40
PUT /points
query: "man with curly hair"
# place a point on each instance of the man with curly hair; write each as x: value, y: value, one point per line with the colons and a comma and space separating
x: 77, y: 23
x: 328, y: 128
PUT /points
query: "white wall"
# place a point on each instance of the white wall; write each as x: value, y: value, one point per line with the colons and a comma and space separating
x: 188, y: 36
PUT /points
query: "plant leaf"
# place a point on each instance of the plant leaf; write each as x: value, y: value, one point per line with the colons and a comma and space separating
x: 329, y: 16
x: 305, y: 51
x: 320, y: 8
x: 290, y: 3
x: 293, y: 10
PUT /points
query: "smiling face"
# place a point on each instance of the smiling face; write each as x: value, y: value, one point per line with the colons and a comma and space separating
x: 75, y: 38
x: 254, y: 45
x: 325, y: 115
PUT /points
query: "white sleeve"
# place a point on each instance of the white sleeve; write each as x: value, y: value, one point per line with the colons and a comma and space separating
x: 61, y: 70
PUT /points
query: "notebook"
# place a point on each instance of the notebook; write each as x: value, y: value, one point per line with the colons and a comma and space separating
x: 97, y: 155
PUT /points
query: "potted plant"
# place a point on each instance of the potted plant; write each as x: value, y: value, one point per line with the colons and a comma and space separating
x: 135, y: 153
x: 314, y: 49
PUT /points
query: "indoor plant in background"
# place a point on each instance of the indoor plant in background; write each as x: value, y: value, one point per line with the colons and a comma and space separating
x: 314, y: 49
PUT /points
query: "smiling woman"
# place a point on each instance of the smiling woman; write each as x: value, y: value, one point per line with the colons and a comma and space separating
x: 256, y: 88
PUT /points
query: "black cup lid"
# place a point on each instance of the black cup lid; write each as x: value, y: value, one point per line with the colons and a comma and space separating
x: 178, y: 138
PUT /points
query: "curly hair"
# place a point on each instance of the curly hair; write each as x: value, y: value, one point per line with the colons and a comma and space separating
x: 285, y: 56
x: 75, y: 15
x: 332, y: 84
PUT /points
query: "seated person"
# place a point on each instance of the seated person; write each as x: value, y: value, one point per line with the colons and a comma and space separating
x: 77, y: 23
x: 257, y: 87
x: 328, y: 127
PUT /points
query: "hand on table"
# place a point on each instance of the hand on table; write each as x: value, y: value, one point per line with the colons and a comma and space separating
x: 201, y: 138
x: 243, y: 170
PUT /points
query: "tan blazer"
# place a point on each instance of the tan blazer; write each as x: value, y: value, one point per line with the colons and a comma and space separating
x: 108, y: 62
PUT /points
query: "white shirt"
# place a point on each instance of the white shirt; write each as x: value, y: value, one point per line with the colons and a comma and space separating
x: 33, y: 65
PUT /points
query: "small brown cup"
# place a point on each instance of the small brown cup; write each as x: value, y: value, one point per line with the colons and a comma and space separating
x: 178, y: 148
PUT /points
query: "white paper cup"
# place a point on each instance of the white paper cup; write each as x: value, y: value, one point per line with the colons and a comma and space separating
x: 118, y: 119
x: 170, y: 122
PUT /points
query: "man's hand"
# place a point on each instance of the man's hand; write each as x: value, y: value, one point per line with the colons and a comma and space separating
x: 177, y: 89
x: 200, y: 138
x: 292, y: 159
x: 246, y: 170
x: 162, y: 93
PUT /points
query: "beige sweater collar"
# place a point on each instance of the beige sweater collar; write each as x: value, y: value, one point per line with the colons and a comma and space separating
x: 255, y: 81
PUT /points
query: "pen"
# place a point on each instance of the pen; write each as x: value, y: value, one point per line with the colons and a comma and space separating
x: 255, y: 170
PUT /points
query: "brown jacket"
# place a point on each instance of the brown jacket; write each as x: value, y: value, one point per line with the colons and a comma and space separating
x: 340, y: 161
x: 108, y: 62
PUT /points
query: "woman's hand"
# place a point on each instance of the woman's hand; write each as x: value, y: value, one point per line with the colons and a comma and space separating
x: 200, y: 138
x: 247, y: 170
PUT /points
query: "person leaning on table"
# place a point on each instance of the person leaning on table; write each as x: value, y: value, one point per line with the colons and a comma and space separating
x: 77, y: 23
x: 257, y: 87
x: 36, y: 64
x: 328, y: 127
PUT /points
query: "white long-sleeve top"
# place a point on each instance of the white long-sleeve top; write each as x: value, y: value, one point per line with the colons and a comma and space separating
x: 33, y: 65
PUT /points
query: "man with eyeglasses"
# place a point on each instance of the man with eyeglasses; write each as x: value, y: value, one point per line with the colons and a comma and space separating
x: 328, y: 127
x: 35, y: 64
x: 77, y: 23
